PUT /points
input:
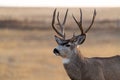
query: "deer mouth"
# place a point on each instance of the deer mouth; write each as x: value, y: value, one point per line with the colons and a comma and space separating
x: 56, y: 52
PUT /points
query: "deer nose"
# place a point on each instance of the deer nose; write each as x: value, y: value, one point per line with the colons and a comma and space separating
x: 56, y: 51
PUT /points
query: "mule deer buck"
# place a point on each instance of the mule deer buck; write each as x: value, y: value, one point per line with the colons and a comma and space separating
x: 76, y: 65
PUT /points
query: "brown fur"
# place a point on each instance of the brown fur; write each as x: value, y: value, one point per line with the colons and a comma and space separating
x: 81, y: 68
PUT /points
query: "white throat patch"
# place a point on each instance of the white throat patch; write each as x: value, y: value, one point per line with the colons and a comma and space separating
x: 66, y: 60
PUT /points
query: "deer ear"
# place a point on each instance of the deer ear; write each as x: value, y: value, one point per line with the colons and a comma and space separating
x: 58, y: 40
x: 80, y: 39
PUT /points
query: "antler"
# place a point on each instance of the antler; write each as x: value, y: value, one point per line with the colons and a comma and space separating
x: 92, y: 21
x: 62, y: 33
x: 80, y: 23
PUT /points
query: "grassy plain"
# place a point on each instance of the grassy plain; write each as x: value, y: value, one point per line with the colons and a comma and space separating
x: 27, y: 41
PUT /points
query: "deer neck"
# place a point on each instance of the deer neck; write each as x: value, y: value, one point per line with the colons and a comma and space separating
x: 75, y: 56
x: 74, y: 65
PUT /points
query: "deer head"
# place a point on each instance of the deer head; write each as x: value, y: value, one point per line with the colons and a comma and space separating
x: 67, y: 47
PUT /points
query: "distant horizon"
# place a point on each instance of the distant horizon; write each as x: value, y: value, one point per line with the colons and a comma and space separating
x: 36, y: 13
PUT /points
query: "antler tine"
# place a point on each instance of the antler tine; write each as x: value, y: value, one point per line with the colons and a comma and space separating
x: 53, y: 22
x: 61, y: 27
x: 79, y: 23
x: 92, y: 21
x: 63, y: 31
x: 65, y: 17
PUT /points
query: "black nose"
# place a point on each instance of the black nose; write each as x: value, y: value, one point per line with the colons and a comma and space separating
x: 56, y: 51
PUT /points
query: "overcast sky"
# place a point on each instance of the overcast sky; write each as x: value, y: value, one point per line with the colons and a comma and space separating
x: 60, y: 3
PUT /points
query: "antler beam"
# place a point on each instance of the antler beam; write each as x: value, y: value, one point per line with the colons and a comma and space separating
x: 62, y: 33
x: 80, y: 22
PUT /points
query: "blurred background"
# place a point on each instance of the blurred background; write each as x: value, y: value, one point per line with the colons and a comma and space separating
x: 27, y: 40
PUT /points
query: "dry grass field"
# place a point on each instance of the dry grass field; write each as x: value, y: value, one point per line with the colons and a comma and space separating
x: 27, y: 41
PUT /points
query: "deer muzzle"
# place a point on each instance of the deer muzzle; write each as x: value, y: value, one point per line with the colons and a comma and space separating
x: 56, y: 52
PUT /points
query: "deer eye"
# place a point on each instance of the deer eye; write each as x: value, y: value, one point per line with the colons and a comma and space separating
x: 67, y: 45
